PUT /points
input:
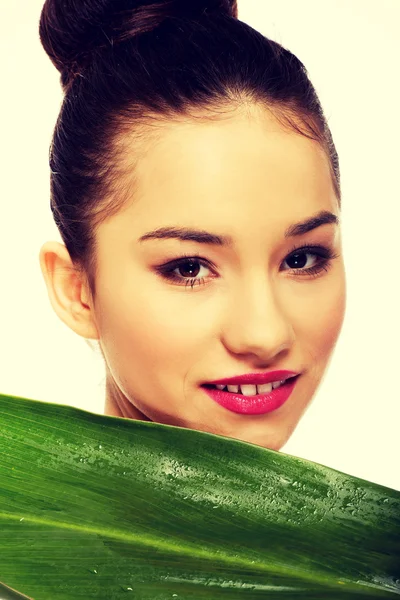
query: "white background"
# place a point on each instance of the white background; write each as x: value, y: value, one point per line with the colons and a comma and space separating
x: 351, y: 49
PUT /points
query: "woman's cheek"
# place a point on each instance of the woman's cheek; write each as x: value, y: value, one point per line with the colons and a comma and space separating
x: 322, y: 318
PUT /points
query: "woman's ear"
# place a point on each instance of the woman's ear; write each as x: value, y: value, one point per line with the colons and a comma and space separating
x: 68, y: 290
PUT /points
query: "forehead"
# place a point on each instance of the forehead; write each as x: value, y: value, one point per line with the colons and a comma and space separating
x: 244, y: 165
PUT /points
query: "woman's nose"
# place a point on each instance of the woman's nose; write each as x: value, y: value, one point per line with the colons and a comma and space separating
x: 255, y: 322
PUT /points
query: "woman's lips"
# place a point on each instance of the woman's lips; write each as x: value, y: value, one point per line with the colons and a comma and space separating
x: 253, y: 405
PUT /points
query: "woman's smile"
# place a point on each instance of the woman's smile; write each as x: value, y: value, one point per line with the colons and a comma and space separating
x: 251, y: 399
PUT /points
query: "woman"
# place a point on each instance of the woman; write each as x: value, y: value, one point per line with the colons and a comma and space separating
x: 196, y: 187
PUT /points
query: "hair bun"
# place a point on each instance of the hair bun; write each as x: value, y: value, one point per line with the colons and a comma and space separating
x: 71, y: 30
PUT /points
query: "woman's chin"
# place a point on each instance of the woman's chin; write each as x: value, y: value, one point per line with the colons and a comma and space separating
x: 272, y: 437
x: 272, y: 440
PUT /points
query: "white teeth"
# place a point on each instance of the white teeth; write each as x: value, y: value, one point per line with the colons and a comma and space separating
x: 249, y: 390
x: 265, y: 388
x: 233, y: 388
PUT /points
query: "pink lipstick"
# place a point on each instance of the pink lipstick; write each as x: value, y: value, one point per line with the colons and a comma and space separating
x: 257, y: 404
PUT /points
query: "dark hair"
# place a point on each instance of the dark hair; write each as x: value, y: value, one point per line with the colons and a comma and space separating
x: 127, y: 67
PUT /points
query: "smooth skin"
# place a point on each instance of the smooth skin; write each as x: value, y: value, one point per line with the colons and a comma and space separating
x: 251, y: 308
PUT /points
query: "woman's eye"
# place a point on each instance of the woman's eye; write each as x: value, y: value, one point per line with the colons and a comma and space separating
x: 185, y: 271
x: 305, y: 261
x: 310, y: 260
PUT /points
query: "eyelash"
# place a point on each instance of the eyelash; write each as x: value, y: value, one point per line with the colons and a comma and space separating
x: 325, y: 253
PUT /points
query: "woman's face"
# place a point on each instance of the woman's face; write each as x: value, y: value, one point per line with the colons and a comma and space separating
x: 245, y: 307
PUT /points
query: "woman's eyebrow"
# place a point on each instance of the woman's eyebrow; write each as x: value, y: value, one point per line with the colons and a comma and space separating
x: 200, y: 236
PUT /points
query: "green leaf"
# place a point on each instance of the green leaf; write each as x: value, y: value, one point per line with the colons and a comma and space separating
x: 93, y: 506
